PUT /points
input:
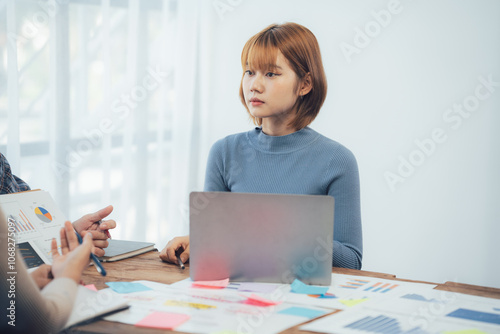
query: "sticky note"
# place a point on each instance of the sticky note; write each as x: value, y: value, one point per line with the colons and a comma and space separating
x: 91, y: 287
x: 303, y: 312
x: 180, y: 303
x: 211, y: 284
x: 127, y: 287
x: 257, y: 287
x: 260, y: 301
x: 163, y: 320
x: 352, y: 302
x: 299, y: 287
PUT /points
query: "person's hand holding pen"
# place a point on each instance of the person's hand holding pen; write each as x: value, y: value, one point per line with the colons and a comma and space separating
x: 176, y: 251
x: 93, y: 223
x: 74, y: 258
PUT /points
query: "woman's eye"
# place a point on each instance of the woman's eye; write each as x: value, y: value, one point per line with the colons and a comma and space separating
x: 248, y: 72
x: 271, y: 74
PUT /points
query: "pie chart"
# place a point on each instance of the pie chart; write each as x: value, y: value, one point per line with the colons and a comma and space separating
x: 43, y: 214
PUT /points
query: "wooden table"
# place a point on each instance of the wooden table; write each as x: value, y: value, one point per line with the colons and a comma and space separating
x: 149, y: 267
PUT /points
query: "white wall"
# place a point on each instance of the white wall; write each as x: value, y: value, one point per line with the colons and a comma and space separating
x: 442, y: 222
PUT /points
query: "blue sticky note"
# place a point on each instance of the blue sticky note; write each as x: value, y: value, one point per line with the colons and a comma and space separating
x: 127, y: 287
x: 303, y: 312
x: 299, y: 287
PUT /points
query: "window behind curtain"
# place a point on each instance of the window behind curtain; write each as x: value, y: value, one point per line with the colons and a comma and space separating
x: 87, y: 108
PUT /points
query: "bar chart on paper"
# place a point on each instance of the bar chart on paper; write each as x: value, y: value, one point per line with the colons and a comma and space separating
x: 381, y: 287
x: 382, y: 324
x: 370, y: 286
x: 354, y: 284
x: 21, y: 223
x: 362, y: 320
x: 485, y: 317
x: 414, y: 296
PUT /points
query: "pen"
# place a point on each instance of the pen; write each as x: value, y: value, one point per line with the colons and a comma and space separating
x: 181, y: 264
x: 107, y: 231
x: 94, y: 258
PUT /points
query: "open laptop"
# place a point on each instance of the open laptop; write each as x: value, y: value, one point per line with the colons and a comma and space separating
x: 251, y: 237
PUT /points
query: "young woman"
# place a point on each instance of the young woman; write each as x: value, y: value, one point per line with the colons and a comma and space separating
x: 283, y: 88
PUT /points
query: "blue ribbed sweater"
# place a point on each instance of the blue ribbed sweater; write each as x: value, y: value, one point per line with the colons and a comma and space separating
x: 304, y: 162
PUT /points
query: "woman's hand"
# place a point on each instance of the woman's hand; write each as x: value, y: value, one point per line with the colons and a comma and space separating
x: 42, y: 275
x: 74, y: 258
x: 179, y: 245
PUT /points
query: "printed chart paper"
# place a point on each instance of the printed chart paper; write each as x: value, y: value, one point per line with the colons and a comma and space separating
x: 37, y: 220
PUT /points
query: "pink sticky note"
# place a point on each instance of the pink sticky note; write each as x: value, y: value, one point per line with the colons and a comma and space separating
x: 260, y: 301
x: 163, y: 320
x: 91, y: 287
x: 211, y: 284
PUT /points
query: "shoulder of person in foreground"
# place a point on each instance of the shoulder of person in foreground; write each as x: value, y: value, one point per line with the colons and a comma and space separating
x: 9, y: 183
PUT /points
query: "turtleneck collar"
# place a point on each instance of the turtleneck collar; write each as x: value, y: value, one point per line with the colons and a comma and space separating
x: 282, y: 144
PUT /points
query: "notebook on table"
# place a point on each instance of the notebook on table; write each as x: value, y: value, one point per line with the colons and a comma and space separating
x: 261, y: 237
x: 123, y: 249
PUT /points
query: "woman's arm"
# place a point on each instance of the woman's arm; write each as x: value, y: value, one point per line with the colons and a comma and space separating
x: 344, y: 187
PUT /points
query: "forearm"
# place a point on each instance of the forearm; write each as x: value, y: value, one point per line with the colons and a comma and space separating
x: 346, y: 256
x: 47, y: 311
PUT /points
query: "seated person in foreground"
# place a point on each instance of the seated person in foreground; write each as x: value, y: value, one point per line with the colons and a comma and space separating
x: 41, y: 301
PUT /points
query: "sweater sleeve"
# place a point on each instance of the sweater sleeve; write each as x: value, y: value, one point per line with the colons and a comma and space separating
x: 344, y: 187
x: 9, y: 183
x: 31, y: 310
x: 214, y: 177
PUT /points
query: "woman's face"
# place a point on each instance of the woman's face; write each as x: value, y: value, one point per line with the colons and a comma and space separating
x: 271, y: 93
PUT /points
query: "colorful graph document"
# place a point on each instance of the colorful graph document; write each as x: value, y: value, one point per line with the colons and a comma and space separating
x: 415, y: 310
x: 206, y: 310
x: 239, y: 307
x: 36, y: 220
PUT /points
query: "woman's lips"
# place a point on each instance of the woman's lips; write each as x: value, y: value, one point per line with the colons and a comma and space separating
x: 256, y: 102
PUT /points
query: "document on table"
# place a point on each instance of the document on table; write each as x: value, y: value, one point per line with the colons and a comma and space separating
x: 251, y: 307
x: 348, y: 291
x: 215, y: 310
x: 355, y: 304
x: 416, y: 310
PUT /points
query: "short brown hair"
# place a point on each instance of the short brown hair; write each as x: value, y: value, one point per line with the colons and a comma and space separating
x: 300, y: 48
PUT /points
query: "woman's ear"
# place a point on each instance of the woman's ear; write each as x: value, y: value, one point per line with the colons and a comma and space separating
x: 305, y: 85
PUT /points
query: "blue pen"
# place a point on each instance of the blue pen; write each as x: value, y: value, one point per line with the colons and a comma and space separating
x: 94, y: 258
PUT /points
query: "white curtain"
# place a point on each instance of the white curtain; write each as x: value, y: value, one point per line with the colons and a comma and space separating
x: 106, y: 103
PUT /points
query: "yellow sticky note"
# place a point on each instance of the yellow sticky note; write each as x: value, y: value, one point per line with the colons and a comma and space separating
x: 352, y: 302
x: 187, y: 304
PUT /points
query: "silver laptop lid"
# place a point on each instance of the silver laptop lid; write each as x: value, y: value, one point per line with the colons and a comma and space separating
x: 261, y: 237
